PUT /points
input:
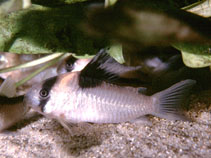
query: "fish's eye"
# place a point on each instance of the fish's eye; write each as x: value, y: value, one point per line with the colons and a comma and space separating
x: 69, y: 66
x: 43, y: 93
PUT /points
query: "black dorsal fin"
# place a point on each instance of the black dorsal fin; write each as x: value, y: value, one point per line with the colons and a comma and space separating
x: 104, y: 68
x: 95, y: 72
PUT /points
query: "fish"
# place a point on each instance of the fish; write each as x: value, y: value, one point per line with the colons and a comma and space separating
x: 164, y: 67
x: 12, y: 110
x: 72, y: 64
x: 88, y: 96
x: 154, y: 61
x: 150, y: 61
x: 154, y: 69
x: 133, y: 75
x: 141, y: 23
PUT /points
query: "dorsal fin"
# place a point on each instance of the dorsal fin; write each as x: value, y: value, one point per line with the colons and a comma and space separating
x: 104, y: 68
x: 95, y: 72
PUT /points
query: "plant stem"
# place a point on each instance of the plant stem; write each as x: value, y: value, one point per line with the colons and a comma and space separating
x: 31, y: 63
x: 21, y: 82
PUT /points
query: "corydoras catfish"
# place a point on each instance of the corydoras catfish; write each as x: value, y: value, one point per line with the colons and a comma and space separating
x: 155, y: 69
x: 90, y: 96
x: 130, y: 75
x: 72, y: 64
x: 12, y: 110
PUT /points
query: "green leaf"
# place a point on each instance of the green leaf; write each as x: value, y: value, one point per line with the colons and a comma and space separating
x: 46, y: 30
x: 195, y: 56
x: 110, y: 2
x: 115, y: 51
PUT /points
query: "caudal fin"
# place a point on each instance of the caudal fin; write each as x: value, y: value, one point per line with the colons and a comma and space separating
x: 168, y: 102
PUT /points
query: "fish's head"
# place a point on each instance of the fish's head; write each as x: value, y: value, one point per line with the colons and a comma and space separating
x: 72, y: 64
x: 33, y: 98
x: 39, y: 95
x: 67, y: 65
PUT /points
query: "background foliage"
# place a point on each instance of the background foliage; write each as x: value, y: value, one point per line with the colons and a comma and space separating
x: 55, y: 26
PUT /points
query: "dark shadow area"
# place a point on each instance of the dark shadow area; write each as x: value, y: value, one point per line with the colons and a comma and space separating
x: 81, y: 143
x: 141, y: 23
x: 201, y: 100
x: 24, y: 122
x: 57, y: 3
x: 60, y: 3
x: 164, y: 67
x: 80, y: 140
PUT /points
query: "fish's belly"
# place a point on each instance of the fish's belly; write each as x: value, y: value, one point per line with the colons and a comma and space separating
x: 95, y: 115
x: 106, y: 107
x: 99, y: 116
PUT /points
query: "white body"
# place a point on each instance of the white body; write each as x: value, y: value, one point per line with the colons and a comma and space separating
x: 104, y: 104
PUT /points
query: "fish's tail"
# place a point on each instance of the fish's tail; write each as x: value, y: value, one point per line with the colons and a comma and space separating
x: 168, y: 102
